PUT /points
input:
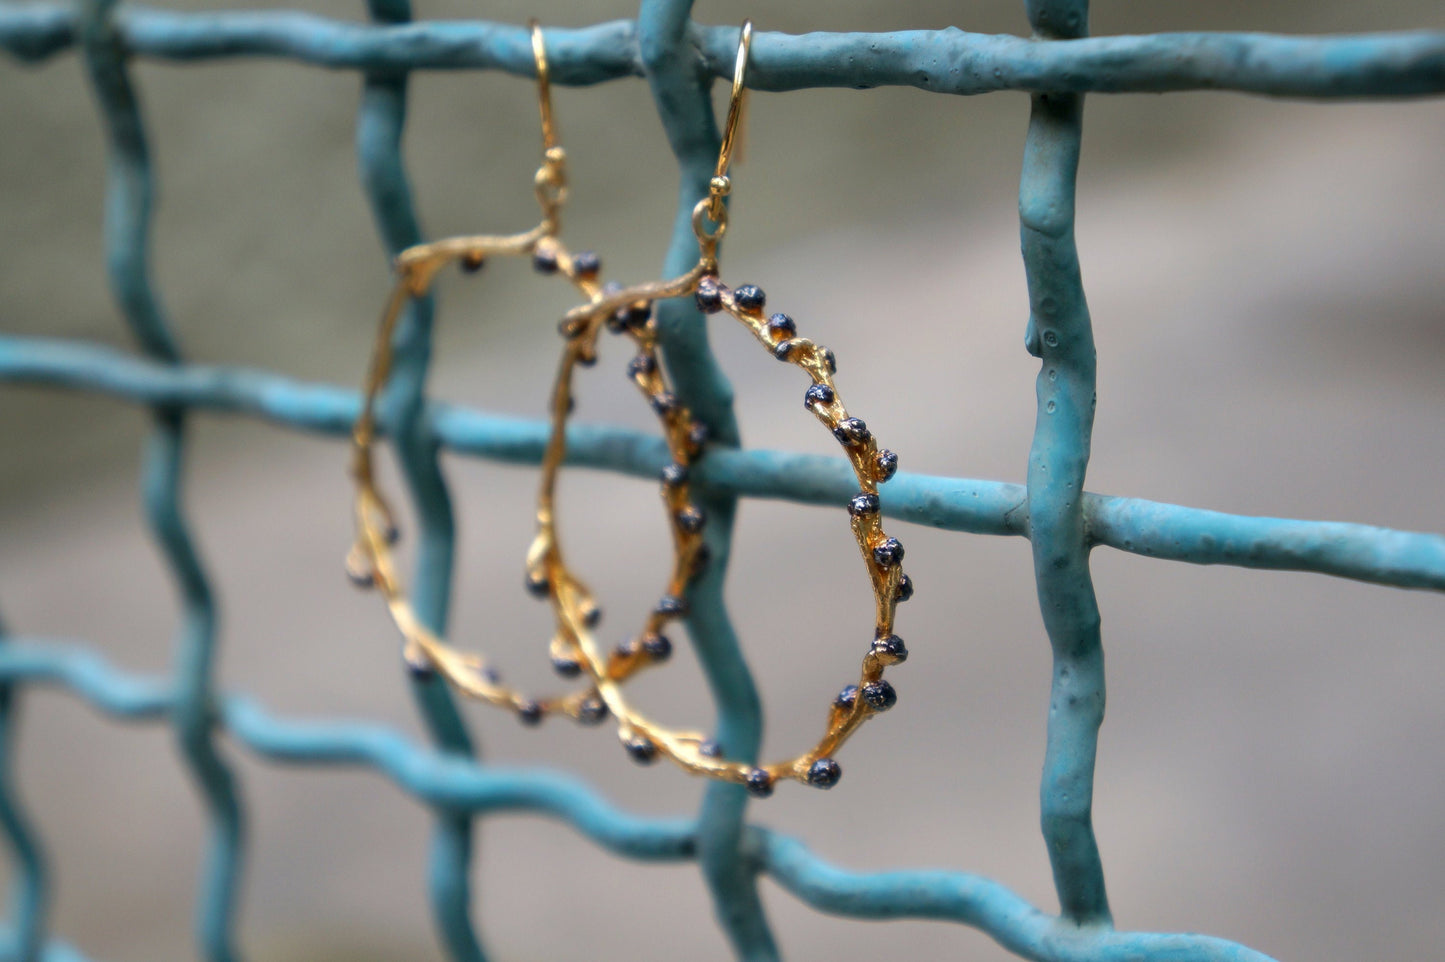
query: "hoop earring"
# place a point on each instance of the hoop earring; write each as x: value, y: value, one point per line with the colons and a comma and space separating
x: 872, y: 465
x: 370, y: 563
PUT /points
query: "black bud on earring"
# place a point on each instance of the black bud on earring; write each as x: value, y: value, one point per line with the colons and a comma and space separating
x: 591, y: 711
x: 760, y: 783
x: 818, y: 394
x: 889, y: 553
x: 641, y: 365
x: 642, y: 750
x: 824, y: 773
x: 586, y: 263
x: 691, y: 519
x: 863, y: 504
x: 846, y: 697
x: 529, y: 713
x: 674, y: 475
x: 904, y: 590
x: 544, y: 262
x: 852, y: 431
x: 781, y: 325
x: 879, y: 695
x: 472, y: 261
x: 749, y: 297
x: 658, y: 647
x: 672, y: 606
x: 886, y: 464
x: 890, y: 650
x: 709, y: 295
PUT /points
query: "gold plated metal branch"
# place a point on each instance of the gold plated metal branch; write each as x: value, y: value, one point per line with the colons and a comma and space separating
x: 882, y: 555
x: 370, y: 562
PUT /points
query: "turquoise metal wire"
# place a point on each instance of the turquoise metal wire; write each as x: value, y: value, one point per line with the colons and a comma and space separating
x: 679, y: 60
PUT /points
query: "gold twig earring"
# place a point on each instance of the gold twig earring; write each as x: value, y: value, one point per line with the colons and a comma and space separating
x: 370, y: 562
x: 882, y: 555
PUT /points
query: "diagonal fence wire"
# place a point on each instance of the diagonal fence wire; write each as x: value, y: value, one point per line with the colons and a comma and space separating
x: 679, y: 60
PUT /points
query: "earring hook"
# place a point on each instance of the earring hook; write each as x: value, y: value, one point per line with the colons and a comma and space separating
x: 544, y: 86
x: 737, y: 101
x: 720, y: 186
x: 551, y: 179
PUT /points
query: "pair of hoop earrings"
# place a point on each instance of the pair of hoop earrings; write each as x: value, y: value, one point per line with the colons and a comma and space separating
x: 628, y: 312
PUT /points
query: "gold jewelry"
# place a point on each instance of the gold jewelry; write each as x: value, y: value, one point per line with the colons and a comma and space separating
x: 882, y: 555
x: 370, y: 562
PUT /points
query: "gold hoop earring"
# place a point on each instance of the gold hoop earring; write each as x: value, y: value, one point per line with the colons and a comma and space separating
x: 370, y: 562
x: 871, y: 464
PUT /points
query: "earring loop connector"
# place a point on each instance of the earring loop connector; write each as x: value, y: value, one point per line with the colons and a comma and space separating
x: 719, y: 186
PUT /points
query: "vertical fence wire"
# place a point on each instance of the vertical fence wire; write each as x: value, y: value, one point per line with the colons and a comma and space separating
x: 680, y: 90
x: 380, y: 124
x: 1060, y: 335
x: 129, y: 199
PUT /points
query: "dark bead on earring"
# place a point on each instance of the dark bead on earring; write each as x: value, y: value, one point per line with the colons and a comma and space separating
x: 879, y: 695
x: 708, y: 748
x: 642, y: 750
x: 824, y: 773
x: 783, y: 350
x: 626, y: 649
x: 636, y: 316
x: 672, y: 605
x: 709, y: 295
x: 537, y: 584
x: 587, y: 360
x: 529, y: 713
x: 830, y: 361
x: 586, y: 263
x: 889, y: 553
x: 641, y: 365
x: 674, y: 475
x: 818, y: 394
x: 887, y: 464
x: 658, y: 647
x: 846, y: 697
x: 591, y: 711
x: 904, y: 591
x: 592, y: 617
x: 781, y: 325
x: 697, y: 435
x: 419, y: 666
x: 863, y: 504
x: 760, y: 783
x: 491, y: 676
x: 691, y: 519
x: 565, y: 666
x: 891, y: 649
x: 700, y: 560
x: 544, y: 262
x: 664, y: 403
x: 852, y: 431
x: 472, y: 261
x: 362, y: 579
x: 749, y: 297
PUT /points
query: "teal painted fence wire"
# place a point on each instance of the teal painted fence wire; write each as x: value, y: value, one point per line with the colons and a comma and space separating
x: 679, y: 60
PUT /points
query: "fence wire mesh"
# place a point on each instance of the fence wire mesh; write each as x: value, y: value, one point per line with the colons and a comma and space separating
x: 679, y: 60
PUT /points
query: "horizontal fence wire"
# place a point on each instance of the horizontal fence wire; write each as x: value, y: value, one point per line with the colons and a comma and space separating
x: 679, y: 60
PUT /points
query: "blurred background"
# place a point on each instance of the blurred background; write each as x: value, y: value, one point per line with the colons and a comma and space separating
x: 1264, y: 278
